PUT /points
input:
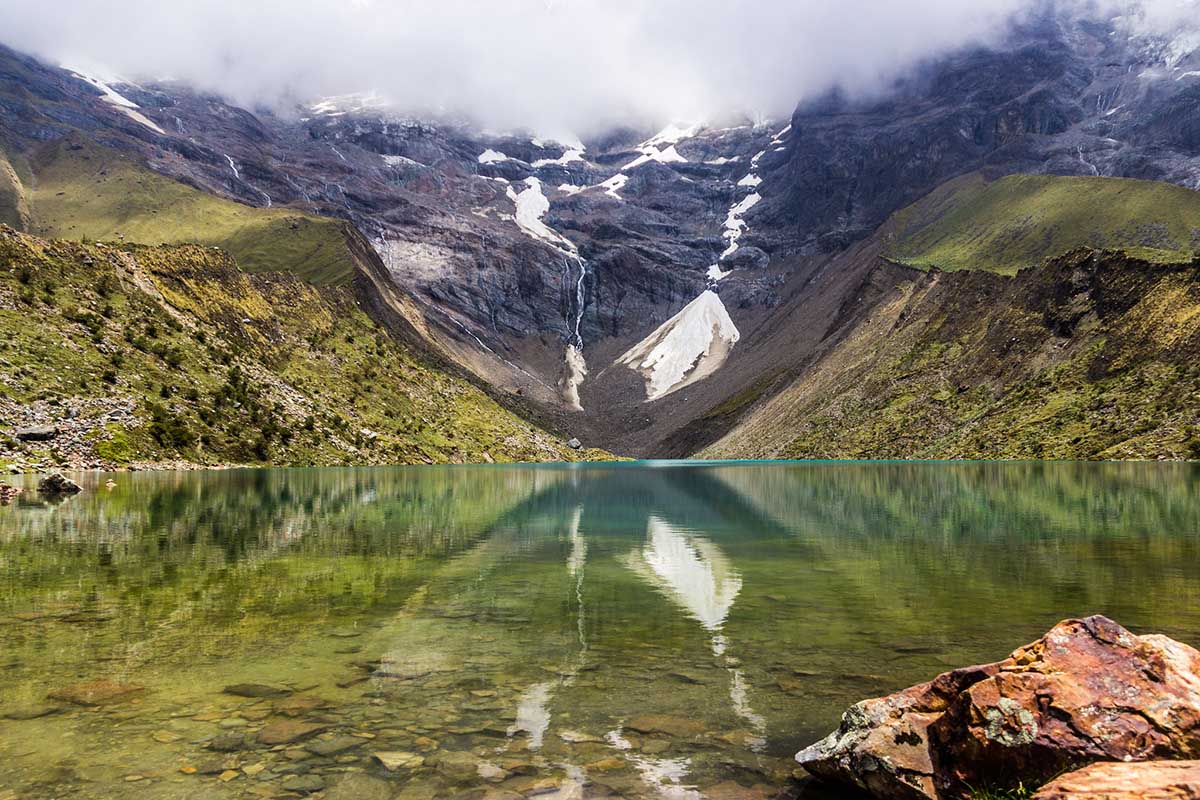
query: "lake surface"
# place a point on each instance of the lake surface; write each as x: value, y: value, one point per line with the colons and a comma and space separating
x: 637, y: 630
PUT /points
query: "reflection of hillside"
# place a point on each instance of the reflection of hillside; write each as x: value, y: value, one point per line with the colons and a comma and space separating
x: 219, y: 553
x: 916, y: 544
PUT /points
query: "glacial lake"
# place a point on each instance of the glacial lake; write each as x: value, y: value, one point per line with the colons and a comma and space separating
x: 635, y: 630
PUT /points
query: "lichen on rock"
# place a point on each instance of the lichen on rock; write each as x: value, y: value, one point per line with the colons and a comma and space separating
x: 1087, y: 691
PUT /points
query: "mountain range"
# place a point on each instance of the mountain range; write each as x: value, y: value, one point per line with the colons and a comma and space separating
x: 995, y: 257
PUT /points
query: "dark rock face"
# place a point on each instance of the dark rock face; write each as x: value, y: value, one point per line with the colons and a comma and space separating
x: 57, y: 485
x: 1062, y: 97
x: 1087, y: 691
x: 1147, y: 780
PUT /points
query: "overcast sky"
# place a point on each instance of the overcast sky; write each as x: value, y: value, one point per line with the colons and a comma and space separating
x: 548, y: 65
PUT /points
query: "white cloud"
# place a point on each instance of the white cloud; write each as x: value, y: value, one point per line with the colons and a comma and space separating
x: 551, y: 65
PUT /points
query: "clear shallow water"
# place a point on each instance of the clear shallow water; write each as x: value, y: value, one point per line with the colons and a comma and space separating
x: 671, y: 631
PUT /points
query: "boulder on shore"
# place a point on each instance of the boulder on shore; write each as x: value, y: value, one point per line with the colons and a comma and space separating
x: 1087, y: 691
x: 42, y: 433
x: 1146, y: 780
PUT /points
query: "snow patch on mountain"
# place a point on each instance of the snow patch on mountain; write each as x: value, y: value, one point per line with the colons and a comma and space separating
x: 661, y: 146
x: 117, y: 100
x: 573, y: 154
x: 532, y: 205
x: 614, y: 185
x: 668, y: 155
x: 491, y: 156
x: 673, y: 134
x: 356, y: 103
x: 735, y: 226
x: 689, y: 346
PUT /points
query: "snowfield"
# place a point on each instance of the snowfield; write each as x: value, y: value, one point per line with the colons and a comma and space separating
x: 118, y: 101
x: 735, y: 226
x: 532, y: 205
x: 491, y: 156
x: 562, y: 161
x: 614, y: 185
x: 689, y: 346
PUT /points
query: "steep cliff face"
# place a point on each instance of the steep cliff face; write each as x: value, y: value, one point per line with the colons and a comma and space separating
x: 548, y: 270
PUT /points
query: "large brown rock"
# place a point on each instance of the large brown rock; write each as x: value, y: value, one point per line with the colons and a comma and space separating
x: 1146, y: 780
x: 1087, y: 691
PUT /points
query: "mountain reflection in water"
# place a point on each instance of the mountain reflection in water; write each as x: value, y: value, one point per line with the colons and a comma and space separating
x: 658, y: 630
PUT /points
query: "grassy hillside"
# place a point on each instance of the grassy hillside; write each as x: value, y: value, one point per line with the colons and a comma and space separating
x: 82, y: 191
x: 1093, y: 355
x: 1019, y: 220
x: 14, y: 202
x: 154, y: 354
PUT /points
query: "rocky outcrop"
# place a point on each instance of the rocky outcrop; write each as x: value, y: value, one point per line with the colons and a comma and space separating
x: 1148, y: 780
x: 1087, y: 691
x: 58, y: 485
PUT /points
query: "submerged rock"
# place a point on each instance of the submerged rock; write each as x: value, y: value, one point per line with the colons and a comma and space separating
x: 399, y: 759
x: 257, y: 690
x: 96, y: 693
x: 1087, y: 691
x: 287, y: 731
x: 334, y: 746
x: 360, y: 787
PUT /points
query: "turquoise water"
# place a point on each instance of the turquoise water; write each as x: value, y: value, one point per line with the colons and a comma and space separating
x: 636, y: 630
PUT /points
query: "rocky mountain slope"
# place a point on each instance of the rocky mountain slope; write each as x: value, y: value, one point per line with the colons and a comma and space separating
x: 644, y: 291
x: 119, y: 355
x: 1094, y: 354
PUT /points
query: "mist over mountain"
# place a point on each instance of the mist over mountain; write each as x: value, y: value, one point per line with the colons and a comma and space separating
x: 551, y: 66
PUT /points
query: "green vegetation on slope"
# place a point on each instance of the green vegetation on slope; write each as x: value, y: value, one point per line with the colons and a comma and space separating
x: 152, y: 354
x: 1020, y: 220
x: 14, y: 203
x: 1093, y: 355
x: 86, y: 192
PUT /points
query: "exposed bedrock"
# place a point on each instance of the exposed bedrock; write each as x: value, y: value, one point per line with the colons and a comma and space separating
x: 1088, y: 691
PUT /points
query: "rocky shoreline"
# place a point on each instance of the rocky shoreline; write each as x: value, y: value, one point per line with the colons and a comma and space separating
x: 1089, y: 710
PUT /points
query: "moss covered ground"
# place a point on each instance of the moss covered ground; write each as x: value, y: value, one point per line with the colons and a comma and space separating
x: 81, y: 191
x: 1019, y: 220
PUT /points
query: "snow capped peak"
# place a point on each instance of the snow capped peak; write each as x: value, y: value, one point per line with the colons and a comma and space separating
x: 689, y: 346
